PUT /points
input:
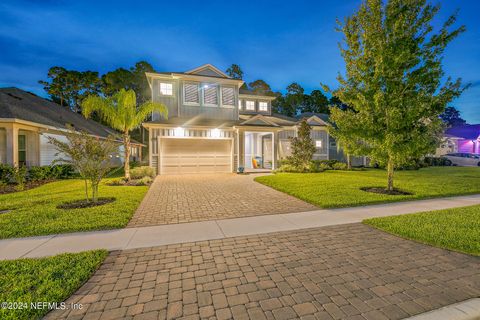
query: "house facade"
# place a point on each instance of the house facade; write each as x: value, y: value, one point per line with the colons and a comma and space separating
x: 463, y: 139
x: 214, y: 126
x: 28, y: 121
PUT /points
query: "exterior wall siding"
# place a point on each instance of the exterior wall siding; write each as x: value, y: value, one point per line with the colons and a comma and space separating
x: 170, y: 101
x: 3, y: 146
x: 47, y: 150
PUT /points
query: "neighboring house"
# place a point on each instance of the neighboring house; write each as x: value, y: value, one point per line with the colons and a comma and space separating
x: 26, y: 122
x: 464, y: 139
x: 214, y: 126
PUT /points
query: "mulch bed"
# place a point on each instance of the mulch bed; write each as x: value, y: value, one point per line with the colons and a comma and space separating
x: 79, y: 204
x: 10, y: 188
x: 382, y: 190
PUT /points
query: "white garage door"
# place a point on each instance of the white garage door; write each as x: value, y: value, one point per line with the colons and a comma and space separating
x: 180, y: 156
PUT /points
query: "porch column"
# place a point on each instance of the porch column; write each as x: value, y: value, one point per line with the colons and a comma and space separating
x: 12, y: 145
x: 241, y: 148
x: 275, y: 142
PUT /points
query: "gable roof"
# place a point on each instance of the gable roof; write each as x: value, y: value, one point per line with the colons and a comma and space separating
x: 322, y: 116
x: 208, y: 70
x: 259, y: 120
x: 22, y: 105
x: 466, y: 131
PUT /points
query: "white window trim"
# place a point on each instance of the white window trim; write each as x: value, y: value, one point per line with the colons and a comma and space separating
x: 260, y: 110
x: 202, y: 89
x: 229, y: 106
x: 160, y: 89
x: 199, y: 94
x: 246, y: 105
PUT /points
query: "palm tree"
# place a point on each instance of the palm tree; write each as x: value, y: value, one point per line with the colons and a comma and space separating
x: 120, y: 111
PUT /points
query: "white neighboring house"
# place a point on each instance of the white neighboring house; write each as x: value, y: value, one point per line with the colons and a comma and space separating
x: 26, y: 122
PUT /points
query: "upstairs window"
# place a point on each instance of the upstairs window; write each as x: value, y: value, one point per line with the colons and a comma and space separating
x: 166, y: 89
x: 191, y: 93
x: 210, y: 96
x: 318, y: 143
x: 262, y: 106
x: 250, y: 105
x: 239, y: 104
x: 228, y: 96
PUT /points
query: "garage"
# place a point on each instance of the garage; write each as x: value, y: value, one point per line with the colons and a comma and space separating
x: 184, y: 156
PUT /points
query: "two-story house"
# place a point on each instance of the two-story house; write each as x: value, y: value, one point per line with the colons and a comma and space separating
x: 214, y: 126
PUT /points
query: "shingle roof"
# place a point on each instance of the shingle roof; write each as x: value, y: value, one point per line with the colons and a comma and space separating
x: 467, y: 131
x: 325, y: 117
x: 19, y: 104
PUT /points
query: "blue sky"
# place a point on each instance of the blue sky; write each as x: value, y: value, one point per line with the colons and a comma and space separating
x: 278, y: 41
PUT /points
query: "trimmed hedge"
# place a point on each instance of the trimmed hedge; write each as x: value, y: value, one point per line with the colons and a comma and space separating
x: 38, y: 173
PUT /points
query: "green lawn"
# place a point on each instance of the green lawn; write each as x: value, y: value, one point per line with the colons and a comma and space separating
x: 455, y: 229
x: 51, y: 279
x: 34, y: 211
x: 332, y: 189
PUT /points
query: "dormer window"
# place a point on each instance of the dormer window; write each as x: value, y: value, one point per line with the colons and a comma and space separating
x: 166, y: 89
x: 250, y: 105
x: 263, y: 106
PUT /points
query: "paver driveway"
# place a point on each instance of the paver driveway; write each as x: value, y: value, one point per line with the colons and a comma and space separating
x: 188, y: 198
x: 341, y: 272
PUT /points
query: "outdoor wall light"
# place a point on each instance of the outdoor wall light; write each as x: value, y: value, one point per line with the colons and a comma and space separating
x: 215, y: 133
x: 179, y: 132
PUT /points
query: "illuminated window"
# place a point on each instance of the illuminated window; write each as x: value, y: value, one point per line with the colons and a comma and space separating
x: 262, y: 106
x: 239, y: 104
x: 166, y: 89
x: 250, y: 105
x: 318, y: 143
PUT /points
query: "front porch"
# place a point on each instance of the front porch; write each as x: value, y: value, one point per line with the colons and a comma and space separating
x: 19, y: 144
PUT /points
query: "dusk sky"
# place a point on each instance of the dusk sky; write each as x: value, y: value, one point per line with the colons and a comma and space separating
x: 277, y: 41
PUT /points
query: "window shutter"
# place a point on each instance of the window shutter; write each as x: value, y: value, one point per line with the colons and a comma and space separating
x: 191, y: 93
x: 210, y: 95
x: 228, y: 96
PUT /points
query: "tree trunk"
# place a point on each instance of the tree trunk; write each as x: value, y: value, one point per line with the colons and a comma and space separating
x: 126, y: 145
x: 86, y: 190
x: 390, y: 170
x: 349, y: 162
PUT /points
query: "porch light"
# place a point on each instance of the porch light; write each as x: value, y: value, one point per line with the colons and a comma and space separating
x: 179, y: 132
x: 215, y: 133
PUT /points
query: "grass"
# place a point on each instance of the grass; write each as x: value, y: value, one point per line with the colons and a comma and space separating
x: 333, y: 189
x: 51, y: 279
x: 34, y: 212
x: 455, y: 229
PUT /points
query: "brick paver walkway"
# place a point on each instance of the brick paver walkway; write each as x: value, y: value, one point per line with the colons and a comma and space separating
x: 189, y: 198
x: 340, y: 272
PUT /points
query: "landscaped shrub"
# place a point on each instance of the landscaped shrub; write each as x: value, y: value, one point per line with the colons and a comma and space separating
x: 339, y: 166
x: 19, y: 177
x: 6, y: 172
x: 62, y: 171
x: 140, y: 172
x: 436, y: 161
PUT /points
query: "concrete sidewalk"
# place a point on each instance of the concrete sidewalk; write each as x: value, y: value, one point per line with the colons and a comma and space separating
x: 141, y: 237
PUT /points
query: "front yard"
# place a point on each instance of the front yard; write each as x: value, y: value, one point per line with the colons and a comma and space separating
x: 51, y: 279
x: 334, y: 189
x: 34, y: 212
x: 455, y: 229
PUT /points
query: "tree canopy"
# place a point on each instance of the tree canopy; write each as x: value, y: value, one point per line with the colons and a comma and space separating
x: 393, y: 82
x: 451, y: 117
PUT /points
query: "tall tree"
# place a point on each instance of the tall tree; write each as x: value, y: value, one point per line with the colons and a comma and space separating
x: 69, y: 87
x: 235, y: 72
x: 315, y: 102
x: 393, y: 82
x: 260, y: 87
x: 451, y: 117
x: 140, y: 83
x: 294, y: 99
x: 120, y: 111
